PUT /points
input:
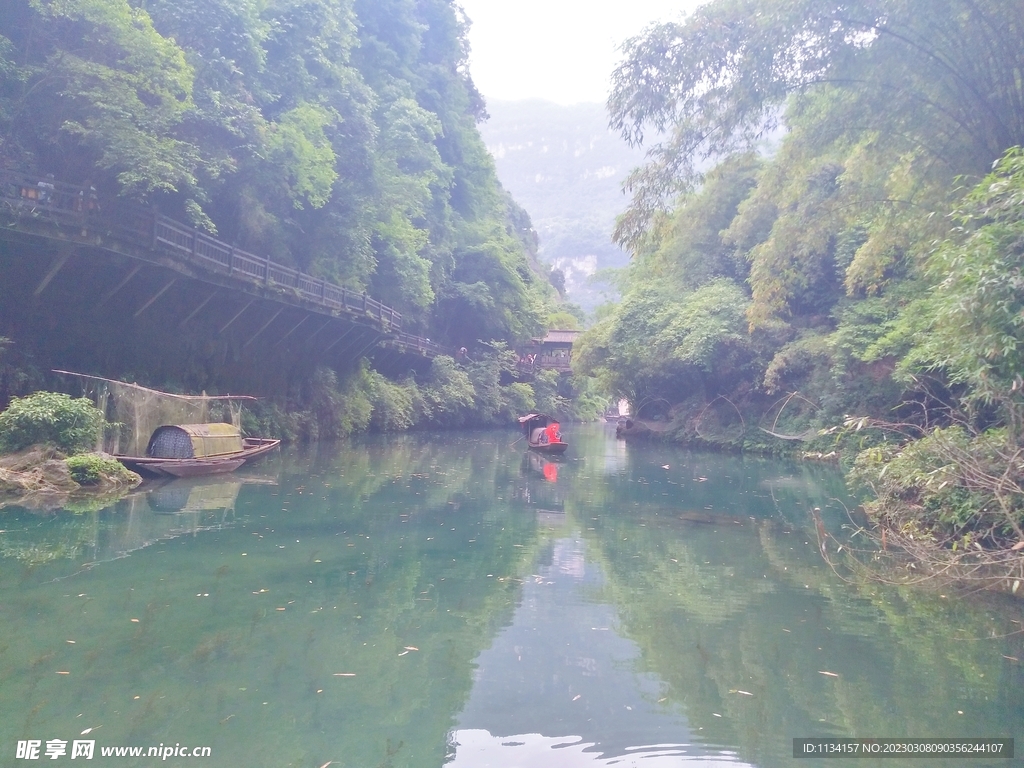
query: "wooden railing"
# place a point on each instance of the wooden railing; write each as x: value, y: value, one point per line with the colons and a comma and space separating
x: 531, y: 363
x: 29, y: 197
x: 426, y: 347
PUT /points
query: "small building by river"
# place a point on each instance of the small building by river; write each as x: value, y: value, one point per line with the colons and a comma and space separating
x: 552, y: 352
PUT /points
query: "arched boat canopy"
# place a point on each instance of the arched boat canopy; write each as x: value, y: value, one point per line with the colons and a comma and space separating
x: 534, y: 421
x: 194, y: 441
x: 531, y: 421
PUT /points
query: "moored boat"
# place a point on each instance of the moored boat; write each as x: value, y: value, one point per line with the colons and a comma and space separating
x: 542, y: 433
x: 617, y: 412
x: 189, y: 450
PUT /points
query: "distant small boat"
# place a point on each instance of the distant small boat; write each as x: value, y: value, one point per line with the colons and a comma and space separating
x: 542, y: 434
x: 188, y: 450
x: 618, y: 411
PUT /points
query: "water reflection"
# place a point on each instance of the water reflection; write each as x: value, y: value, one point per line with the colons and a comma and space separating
x: 712, y: 621
x: 408, y: 601
x: 156, y: 512
x: 199, y: 494
x: 539, y: 488
x: 560, y: 686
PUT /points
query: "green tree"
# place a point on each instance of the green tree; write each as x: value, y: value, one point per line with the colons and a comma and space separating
x: 659, y: 345
x: 970, y: 326
x: 942, y: 77
x: 336, y: 136
x: 72, y: 425
x: 94, y: 81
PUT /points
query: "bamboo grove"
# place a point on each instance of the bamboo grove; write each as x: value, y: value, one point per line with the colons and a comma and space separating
x: 827, y: 241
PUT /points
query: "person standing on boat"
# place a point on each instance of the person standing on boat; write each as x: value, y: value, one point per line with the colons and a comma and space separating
x: 553, y: 433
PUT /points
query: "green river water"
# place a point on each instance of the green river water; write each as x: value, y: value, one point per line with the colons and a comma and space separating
x: 424, y: 600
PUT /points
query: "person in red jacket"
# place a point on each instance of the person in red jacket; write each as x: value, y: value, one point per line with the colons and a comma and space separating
x: 554, y: 436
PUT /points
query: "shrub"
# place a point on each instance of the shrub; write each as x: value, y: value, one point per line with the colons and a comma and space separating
x: 335, y: 410
x: 516, y: 399
x: 948, y: 483
x: 394, y: 405
x: 90, y: 468
x: 72, y: 425
x: 448, y: 393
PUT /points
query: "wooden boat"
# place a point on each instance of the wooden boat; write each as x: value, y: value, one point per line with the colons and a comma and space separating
x: 540, y: 437
x: 188, y: 450
x: 617, y: 412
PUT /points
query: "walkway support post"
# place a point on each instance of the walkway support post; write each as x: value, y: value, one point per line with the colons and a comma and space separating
x: 110, y: 294
x: 232, y: 320
x: 61, y: 260
x: 156, y: 296
x: 263, y: 327
x: 195, y: 311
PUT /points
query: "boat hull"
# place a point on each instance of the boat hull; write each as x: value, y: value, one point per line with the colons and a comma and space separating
x: 214, y: 465
x: 550, y: 448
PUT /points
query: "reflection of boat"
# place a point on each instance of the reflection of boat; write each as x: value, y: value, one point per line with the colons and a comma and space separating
x: 545, y: 495
x: 185, y: 496
x: 542, y: 466
x: 542, y: 433
x: 187, y: 450
x: 171, y: 495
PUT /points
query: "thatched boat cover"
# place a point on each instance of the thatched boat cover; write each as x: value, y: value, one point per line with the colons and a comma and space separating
x: 194, y: 441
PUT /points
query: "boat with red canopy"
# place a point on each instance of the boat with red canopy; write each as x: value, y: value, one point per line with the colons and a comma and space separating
x: 542, y: 433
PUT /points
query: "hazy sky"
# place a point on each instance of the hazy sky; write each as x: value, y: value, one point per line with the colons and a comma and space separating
x: 559, y: 50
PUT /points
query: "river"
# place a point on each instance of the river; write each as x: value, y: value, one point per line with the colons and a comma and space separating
x: 419, y: 600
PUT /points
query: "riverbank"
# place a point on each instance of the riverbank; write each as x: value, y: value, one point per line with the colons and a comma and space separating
x: 944, y: 510
x: 40, y: 477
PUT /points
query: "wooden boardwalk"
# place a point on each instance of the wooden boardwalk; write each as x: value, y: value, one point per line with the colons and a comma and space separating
x: 74, y: 214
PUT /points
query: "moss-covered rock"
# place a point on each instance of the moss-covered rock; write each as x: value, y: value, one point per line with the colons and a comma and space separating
x: 40, y: 477
x: 34, y: 469
x: 100, y: 471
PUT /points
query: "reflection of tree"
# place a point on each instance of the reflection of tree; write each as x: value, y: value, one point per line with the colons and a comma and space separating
x: 65, y: 540
x: 369, y: 556
x: 97, y: 530
x: 720, y: 609
x: 356, y: 471
x: 404, y: 544
x: 721, y: 585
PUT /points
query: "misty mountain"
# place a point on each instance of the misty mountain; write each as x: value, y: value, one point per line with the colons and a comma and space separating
x: 565, y: 167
